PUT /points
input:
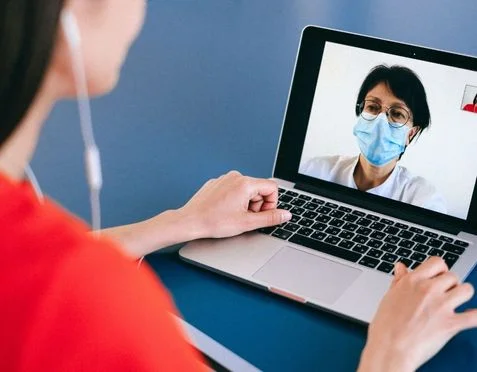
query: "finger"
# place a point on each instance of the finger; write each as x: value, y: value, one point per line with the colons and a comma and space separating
x: 444, y: 282
x: 466, y: 320
x: 267, y: 218
x: 400, y: 270
x: 459, y: 295
x: 255, y: 206
x: 267, y: 189
x: 431, y: 268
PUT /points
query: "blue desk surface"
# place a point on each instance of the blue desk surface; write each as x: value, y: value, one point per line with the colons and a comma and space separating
x: 203, y: 77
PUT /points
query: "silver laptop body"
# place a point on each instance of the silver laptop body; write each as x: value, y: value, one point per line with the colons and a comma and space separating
x: 323, y: 269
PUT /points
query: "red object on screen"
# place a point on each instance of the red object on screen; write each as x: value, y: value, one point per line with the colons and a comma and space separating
x: 470, y: 107
x: 70, y: 301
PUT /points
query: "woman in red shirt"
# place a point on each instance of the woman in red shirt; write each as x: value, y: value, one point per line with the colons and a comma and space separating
x: 471, y: 107
x: 75, y: 301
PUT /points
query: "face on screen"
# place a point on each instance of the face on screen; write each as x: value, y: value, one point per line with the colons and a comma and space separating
x: 394, y: 127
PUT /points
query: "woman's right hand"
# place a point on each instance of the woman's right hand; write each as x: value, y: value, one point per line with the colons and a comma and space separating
x: 416, y: 318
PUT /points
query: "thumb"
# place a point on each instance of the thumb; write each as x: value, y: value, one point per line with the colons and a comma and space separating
x: 400, y: 270
x: 268, y: 218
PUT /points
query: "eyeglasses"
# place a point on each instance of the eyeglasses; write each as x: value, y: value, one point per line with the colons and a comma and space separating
x: 397, y: 116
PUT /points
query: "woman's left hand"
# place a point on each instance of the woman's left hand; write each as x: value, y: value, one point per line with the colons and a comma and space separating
x: 233, y: 204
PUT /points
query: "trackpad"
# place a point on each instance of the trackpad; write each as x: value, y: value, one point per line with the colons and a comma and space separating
x: 307, y: 275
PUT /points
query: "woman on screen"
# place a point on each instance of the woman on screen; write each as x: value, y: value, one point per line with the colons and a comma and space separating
x: 392, y: 110
x: 471, y: 107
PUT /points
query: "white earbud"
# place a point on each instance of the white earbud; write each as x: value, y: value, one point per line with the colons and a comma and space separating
x: 92, y: 157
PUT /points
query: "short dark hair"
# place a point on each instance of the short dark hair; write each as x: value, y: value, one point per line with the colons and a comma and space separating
x: 475, y: 99
x: 405, y: 85
x: 27, y: 39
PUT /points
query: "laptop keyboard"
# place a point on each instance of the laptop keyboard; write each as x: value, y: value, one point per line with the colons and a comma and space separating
x: 356, y: 236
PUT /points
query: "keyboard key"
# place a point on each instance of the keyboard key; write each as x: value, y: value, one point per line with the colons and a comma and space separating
x: 304, y: 197
x: 310, y: 206
x: 436, y: 252
x: 405, y: 234
x: 378, y: 235
x: 282, y: 234
x: 389, y: 257
x: 291, y: 227
x: 333, y: 240
x: 285, y: 206
x: 359, y: 213
x: 446, y: 239
x: 386, y: 221
x: 350, y: 227
x: 406, y: 261
x: 450, y: 259
x: 295, y: 218
x: 360, y: 239
x: 403, y: 252
x: 364, y: 231
x: 363, y: 222
x: 419, y: 239
x: 280, y: 190
x: 324, y: 210
x: 297, y: 210
x: 319, y: 226
x: 336, y: 222
x: 323, y: 218
x: 421, y: 248
x: 385, y: 267
x: 460, y: 243
x: 376, y: 253
x: 406, y: 244
x: 416, y: 256
x: 336, y: 213
x: 285, y: 198
x: 415, y: 265
x: 298, y: 202
x: 332, y: 230
x: 416, y: 230
x: 345, y: 209
x: 346, y: 244
x: 391, y: 248
x: 360, y: 248
x: 378, y: 226
x: 392, y: 239
x: 401, y: 226
x: 325, y: 248
x: 267, y: 230
x: 434, y: 243
x: 306, y: 222
x: 292, y: 193
x: 317, y: 201
x: 453, y: 248
x: 350, y: 218
x: 318, y: 235
x: 369, y: 262
x: 373, y: 243
x: 332, y: 205
x: 391, y: 230
x: 346, y: 235
x: 310, y: 214
x: 372, y: 217
x: 430, y: 234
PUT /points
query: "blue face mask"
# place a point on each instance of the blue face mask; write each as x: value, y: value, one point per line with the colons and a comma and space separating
x: 378, y: 141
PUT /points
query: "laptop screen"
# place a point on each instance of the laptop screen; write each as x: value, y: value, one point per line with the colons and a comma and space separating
x: 393, y: 126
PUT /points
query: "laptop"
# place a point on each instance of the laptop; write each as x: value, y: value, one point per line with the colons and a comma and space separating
x: 351, y: 225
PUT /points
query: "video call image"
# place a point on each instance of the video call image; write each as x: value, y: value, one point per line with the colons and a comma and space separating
x: 394, y: 127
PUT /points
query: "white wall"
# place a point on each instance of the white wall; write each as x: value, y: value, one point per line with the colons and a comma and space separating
x: 445, y: 154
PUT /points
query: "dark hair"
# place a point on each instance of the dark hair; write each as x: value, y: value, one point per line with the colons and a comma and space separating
x: 405, y: 85
x: 475, y: 99
x: 28, y: 30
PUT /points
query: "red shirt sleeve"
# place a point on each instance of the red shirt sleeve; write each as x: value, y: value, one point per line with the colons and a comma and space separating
x: 100, y: 313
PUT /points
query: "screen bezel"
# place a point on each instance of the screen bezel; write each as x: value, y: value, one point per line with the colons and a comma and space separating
x: 297, y: 116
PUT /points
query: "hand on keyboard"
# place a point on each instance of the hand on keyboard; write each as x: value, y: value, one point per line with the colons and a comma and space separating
x: 417, y: 317
x: 233, y: 204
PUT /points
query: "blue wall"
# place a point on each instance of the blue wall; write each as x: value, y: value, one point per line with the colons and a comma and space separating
x: 204, y: 91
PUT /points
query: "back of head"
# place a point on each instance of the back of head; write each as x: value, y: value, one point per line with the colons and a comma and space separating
x: 28, y: 31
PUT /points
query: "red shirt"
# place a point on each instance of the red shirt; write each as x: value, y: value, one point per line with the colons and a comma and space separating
x: 470, y: 107
x: 70, y: 301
